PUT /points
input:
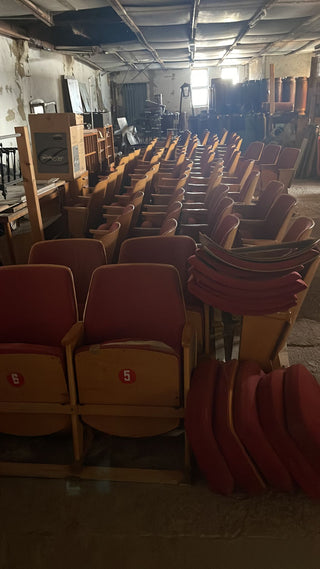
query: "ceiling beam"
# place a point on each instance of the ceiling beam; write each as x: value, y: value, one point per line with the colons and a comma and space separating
x: 12, y: 32
x: 130, y: 64
x: 120, y: 10
x: 193, y: 28
x: 257, y: 16
x: 292, y: 35
x: 40, y: 14
x: 302, y: 47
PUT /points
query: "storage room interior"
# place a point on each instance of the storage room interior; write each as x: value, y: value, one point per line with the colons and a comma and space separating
x: 202, y: 80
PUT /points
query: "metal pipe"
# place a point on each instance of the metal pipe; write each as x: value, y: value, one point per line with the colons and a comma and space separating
x: 15, y: 135
x: 42, y: 15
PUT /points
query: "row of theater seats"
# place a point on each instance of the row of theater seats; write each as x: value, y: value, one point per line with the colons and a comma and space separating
x: 57, y: 370
x: 120, y: 197
x: 104, y: 355
x: 166, y: 177
x: 116, y: 371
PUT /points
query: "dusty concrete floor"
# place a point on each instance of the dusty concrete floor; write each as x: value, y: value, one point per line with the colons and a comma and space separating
x: 94, y: 525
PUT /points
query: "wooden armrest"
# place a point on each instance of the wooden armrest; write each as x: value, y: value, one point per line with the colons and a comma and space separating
x: 270, y: 167
x: 83, y: 199
x: 234, y: 188
x: 75, y: 208
x: 113, y: 209
x: 156, y: 217
x: 74, y: 336
x: 152, y: 208
x: 110, y: 218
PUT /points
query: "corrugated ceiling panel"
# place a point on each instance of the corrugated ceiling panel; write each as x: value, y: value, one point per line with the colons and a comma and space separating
x: 9, y: 9
x: 218, y: 31
x: 74, y: 4
x: 254, y: 38
x: 151, y: 3
x: 174, y: 55
x: 283, y: 10
x: 111, y: 47
x: 209, y: 53
x: 170, y: 33
x: 143, y: 55
x: 171, y: 45
x: 272, y: 27
x: 223, y: 12
x: 229, y: 61
x: 240, y: 50
x: 214, y: 43
x: 160, y: 15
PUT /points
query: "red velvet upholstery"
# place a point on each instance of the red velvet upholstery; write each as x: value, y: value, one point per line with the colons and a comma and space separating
x: 82, y: 256
x: 271, y: 225
x: 242, y: 468
x: 270, y: 154
x: 248, y: 427
x: 288, y: 157
x: 198, y: 424
x: 260, y: 209
x: 138, y: 301
x: 300, y: 228
x: 270, y: 397
x: 302, y: 405
x: 254, y: 150
x: 173, y: 250
x: 39, y: 305
x: 228, y: 225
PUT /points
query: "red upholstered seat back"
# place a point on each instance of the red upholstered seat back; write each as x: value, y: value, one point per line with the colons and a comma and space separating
x: 226, y: 227
x: 168, y: 227
x: 82, y: 256
x: 267, y: 198
x: 249, y: 186
x: 270, y: 154
x: 278, y: 213
x: 174, y: 250
x: 39, y: 304
x: 288, y: 157
x: 300, y: 229
x: 138, y: 301
x: 254, y: 150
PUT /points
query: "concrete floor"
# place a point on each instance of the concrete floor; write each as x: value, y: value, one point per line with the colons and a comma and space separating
x: 97, y: 525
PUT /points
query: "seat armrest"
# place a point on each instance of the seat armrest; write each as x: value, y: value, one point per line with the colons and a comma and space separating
x: 113, y: 209
x: 74, y: 336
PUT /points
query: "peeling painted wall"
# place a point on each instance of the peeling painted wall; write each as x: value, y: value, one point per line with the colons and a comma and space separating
x: 284, y: 66
x: 28, y: 73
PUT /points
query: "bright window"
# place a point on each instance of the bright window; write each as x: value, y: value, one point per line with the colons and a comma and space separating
x: 230, y: 73
x: 200, y: 87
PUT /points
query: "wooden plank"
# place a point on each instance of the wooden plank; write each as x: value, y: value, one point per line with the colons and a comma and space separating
x: 52, y: 408
x: 272, y: 89
x: 32, y: 470
x: 129, y: 411
x: 144, y: 475
x: 29, y: 182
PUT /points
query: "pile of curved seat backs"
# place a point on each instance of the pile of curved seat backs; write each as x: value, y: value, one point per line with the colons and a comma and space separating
x: 251, y: 280
x: 250, y: 431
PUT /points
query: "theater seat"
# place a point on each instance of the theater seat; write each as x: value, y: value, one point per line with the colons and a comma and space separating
x: 82, y: 256
x: 133, y: 372
x: 39, y: 312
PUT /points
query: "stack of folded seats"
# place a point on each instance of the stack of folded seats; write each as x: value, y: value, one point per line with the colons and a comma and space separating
x: 250, y: 280
x: 251, y: 431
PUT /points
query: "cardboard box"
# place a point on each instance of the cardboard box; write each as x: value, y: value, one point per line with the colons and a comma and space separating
x: 58, y: 148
